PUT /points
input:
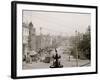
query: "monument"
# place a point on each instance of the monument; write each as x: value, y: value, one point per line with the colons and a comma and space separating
x: 56, y: 61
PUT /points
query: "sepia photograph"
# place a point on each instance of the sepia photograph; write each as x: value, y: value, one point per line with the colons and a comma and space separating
x: 56, y: 39
x: 53, y: 39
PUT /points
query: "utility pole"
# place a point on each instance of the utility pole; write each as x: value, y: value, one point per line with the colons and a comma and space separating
x: 40, y: 37
x: 76, y: 48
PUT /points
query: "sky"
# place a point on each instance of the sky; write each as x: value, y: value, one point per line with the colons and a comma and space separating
x: 57, y: 23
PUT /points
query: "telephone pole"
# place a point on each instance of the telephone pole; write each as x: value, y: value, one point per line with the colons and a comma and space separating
x: 76, y: 48
x: 40, y: 37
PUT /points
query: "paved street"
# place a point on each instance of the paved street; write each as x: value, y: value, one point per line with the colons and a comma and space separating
x: 72, y: 63
x: 64, y: 61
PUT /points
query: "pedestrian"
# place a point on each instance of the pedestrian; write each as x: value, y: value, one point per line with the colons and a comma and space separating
x: 27, y: 58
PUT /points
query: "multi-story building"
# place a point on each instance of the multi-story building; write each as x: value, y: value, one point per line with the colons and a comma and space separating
x: 43, y: 41
x: 25, y: 34
x: 28, y: 37
x: 38, y: 42
x: 32, y: 37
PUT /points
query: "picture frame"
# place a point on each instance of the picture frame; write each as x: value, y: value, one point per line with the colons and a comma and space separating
x: 40, y: 29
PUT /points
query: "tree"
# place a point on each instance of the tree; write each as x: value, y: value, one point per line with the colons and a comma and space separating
x: 83, y: 45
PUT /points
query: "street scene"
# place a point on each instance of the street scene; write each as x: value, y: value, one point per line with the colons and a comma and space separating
x: 55, y: 40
